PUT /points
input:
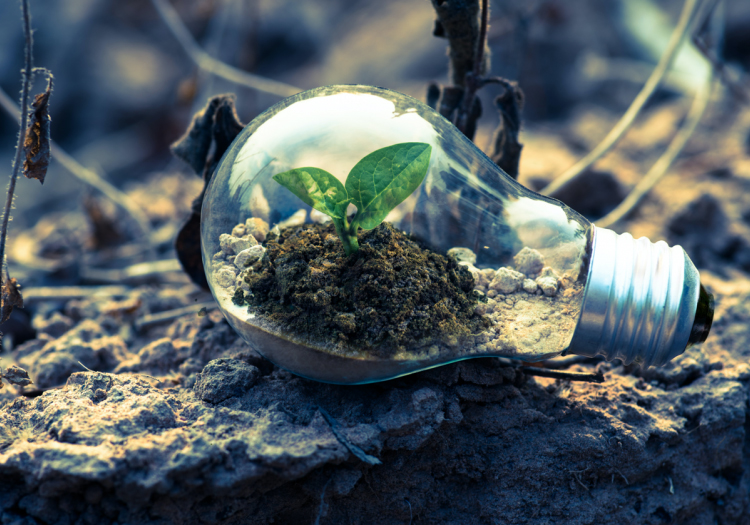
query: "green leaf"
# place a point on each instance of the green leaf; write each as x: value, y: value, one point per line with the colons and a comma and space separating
x: 317, y: 188
x: 384, y: 178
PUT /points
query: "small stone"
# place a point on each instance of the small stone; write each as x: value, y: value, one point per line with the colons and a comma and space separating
x: 256, y: 227
x: 238, y: 231
x: 224, y: 242
x: 529, y: 261
x: 240, y: 283
x: 297, y: 219
x: 548, y: 282
x: 463, y: 255
x: 249, y: 256
x: 530, y: 286
x: 319, y: 217
x: 472, y: 269
x: 507, y: 281
x: 225, y: 277
x: 224, y: 378
x: 240, y: 244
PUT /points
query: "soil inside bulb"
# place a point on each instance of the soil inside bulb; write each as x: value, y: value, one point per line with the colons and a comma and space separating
x: 391, y: 295
x: 394, y: 298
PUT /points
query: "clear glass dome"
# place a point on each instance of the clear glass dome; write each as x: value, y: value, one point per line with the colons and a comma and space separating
x: 469, y: 264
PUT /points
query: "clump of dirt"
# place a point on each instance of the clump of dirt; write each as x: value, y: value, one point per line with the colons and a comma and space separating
x: 391, y: 295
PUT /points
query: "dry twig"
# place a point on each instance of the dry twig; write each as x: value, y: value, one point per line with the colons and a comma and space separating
x: 206, y: 62
x: 170, y: 315
x: 661, y: 166
x: 653, y: 82
x: 85, y: 175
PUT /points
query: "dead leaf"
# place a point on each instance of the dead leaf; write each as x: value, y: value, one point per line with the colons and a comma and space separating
x: 36, y: 143
x: 17, y: 376
x: 210, y: 134
x: 106, y: 228
x: 10, y: 298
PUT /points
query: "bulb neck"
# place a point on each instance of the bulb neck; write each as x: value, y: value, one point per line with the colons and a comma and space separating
x: 643, y: 301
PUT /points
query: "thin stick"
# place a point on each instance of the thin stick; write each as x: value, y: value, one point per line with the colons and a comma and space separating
x: 84, y: 174
x: 40, y: 294
x: 208, y: 63
x: 738, y: 90
x: 27, y: 74
x: 678, y: 36
x: 134, y: 273
x: 598, y: 377
x: 170, y: 315
x: 661, y: 166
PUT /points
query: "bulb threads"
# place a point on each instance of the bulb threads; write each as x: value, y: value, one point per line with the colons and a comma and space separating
x: 641, y: 302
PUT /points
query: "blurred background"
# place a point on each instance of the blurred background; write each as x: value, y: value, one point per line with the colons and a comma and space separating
x: 125, y: 89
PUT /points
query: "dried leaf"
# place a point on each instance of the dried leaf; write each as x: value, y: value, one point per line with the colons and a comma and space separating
x: 10, y: 298
x: 17, y: 376
x: 215, y: 125
x: 106, y: 228
x: 36, y: 143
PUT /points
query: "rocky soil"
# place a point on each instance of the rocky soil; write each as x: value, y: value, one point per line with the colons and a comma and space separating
x: 147, y: 408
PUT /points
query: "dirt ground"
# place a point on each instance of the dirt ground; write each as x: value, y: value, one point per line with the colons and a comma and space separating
x: 147, y: 408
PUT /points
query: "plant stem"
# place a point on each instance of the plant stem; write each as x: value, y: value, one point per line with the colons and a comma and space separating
x: 26, y: 74
x: 348, y: 235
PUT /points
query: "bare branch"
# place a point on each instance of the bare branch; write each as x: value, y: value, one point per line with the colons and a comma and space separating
x: 661, y: 166
x: 27, y: 73
x: 206, y: 62
x: 653, y: 82
x: 170, y: 315
x: 84, y: 174
x: 597, y: 377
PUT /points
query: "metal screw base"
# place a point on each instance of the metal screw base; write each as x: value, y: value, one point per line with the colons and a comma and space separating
x: 640, y: 301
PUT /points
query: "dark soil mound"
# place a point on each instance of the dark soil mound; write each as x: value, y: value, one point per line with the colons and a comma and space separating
x: 391, y: 295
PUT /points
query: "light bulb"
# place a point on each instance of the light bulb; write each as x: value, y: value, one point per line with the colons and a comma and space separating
x: 470, y: 264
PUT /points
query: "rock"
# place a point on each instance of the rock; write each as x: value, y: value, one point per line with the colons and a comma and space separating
x: 55, y: 325
x: 85, y: 345
x: 224, y: 378
x: 475, y: 273
x: 507, y: 281
x: 529, y: 261
x: 463, y: 255
x: 239, y: 231
x: 297, y: 219
x: 530, y: 286
x: 232, y: 245
x: 225, y: 276
x: 548, y: 282
x: 256, y: 227
x: 248, y: 256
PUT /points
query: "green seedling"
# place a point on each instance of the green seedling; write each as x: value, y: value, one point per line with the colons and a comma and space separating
x: 376, y: 184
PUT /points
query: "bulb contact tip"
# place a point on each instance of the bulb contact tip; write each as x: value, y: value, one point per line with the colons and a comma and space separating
x: 704, y: 317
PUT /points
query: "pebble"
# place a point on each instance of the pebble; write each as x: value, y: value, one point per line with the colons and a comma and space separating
x: 231, y: 245
x: 248, y: 256
x: 507, y: 281
x: 463, y: 255
x: 256, y: 227
x: 530, y: 286
x: 225, y: 277
x: 548, y: 282
x: 529, y: 261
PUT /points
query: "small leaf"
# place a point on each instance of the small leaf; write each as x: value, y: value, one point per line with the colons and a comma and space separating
x: 10, y: 297
x: 36, y: 143
x: 385, y: 178
x: 317, y: 188
x: 17, y: 376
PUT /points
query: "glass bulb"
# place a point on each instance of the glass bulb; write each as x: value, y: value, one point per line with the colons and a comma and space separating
x: 470, y: 264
